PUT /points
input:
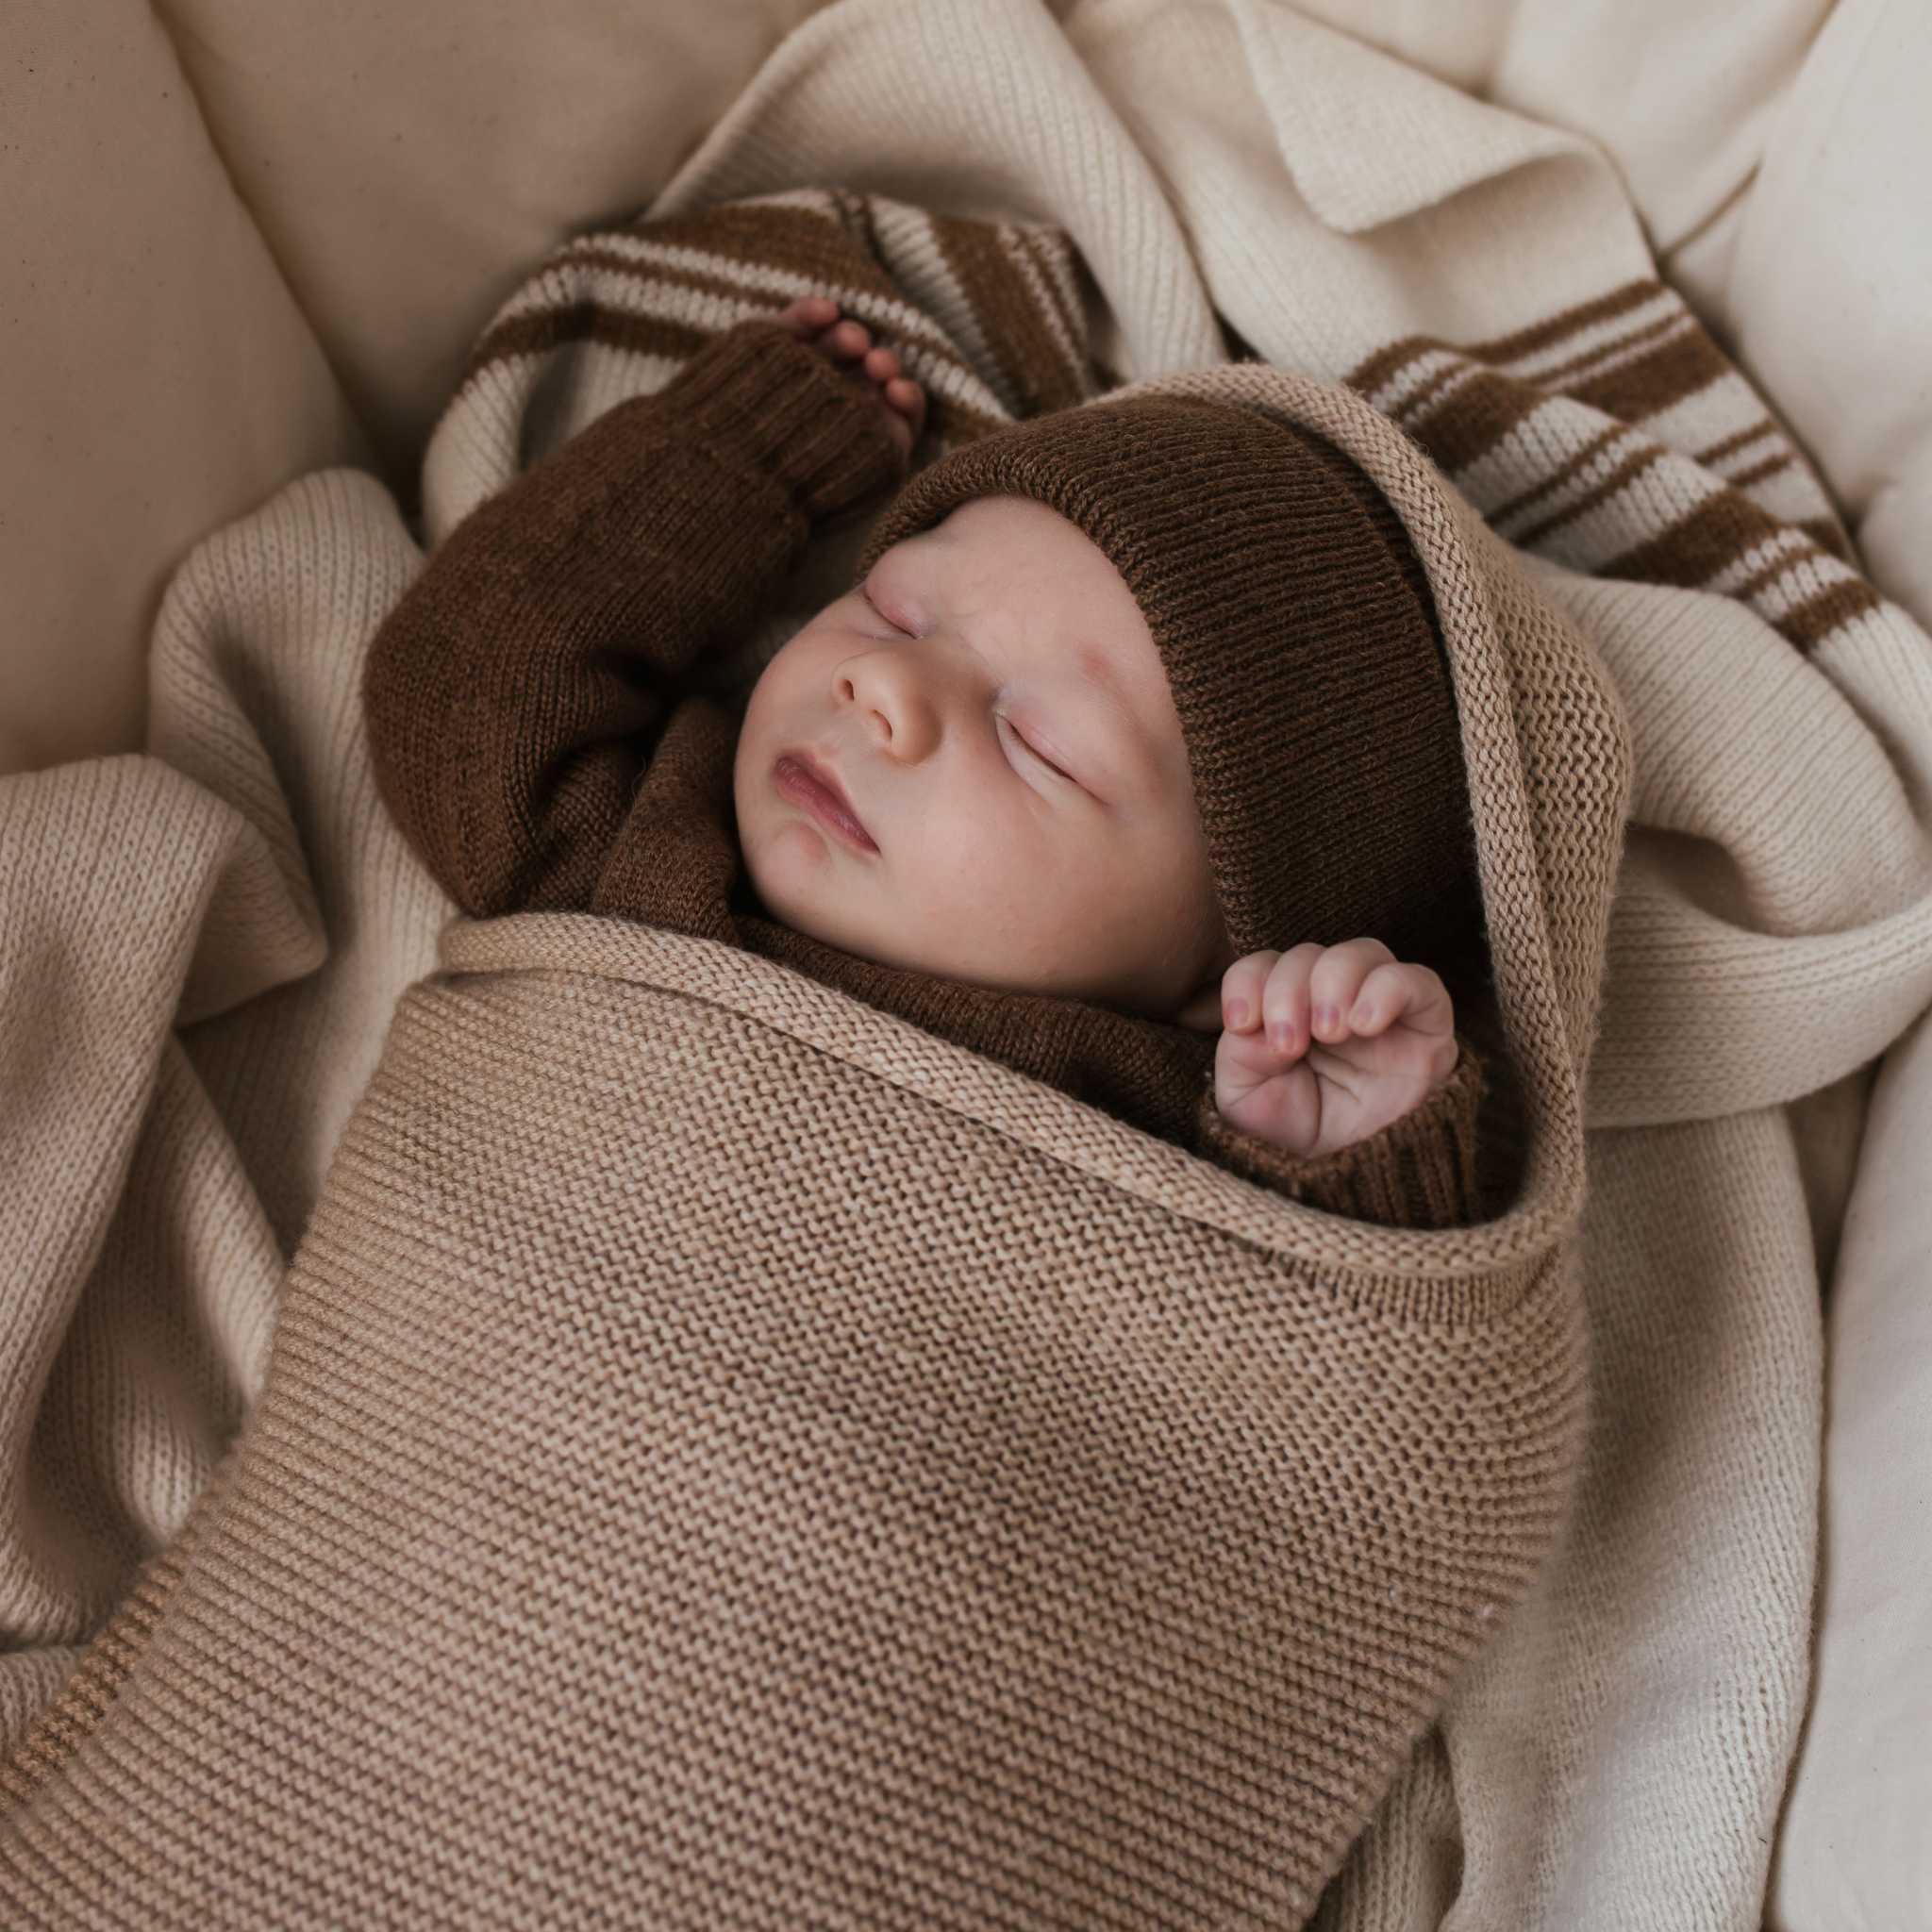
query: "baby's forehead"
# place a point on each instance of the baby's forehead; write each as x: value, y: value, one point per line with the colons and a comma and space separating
x: 985, y: 522
x: 1006, y: 552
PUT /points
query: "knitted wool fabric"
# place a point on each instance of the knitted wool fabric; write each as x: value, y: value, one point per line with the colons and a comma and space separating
x: 1301, y: 649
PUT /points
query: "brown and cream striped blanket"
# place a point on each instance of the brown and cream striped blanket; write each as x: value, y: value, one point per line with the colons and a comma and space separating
x: 970, y: 1512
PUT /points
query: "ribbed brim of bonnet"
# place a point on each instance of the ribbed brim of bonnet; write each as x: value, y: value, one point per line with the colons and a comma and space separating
x: 1301, y: 647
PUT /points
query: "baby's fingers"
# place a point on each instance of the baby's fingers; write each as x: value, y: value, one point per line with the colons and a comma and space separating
x: 849, y: 339
x: 1270, y: 990
x: 1240, y: 992
x: 1401, y: 990
x: 809, y: 314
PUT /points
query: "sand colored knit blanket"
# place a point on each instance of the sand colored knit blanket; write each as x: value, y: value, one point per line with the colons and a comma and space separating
x: 823, y: 1478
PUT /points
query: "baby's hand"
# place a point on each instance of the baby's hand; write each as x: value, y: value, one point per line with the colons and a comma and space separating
x: 1368, y: 1040
x: 814, y: 319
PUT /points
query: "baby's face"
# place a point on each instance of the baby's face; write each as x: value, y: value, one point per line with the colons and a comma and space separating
x: 1003, y: 627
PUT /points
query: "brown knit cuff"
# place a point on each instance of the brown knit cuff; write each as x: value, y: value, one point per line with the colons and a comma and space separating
x: 1417, y: 1172
x: 757, y: 394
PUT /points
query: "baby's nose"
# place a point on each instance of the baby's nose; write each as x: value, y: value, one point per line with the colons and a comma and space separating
x: 900, y: 714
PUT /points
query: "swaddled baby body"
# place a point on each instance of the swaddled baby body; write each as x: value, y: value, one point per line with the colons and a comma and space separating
x: 963, y: 789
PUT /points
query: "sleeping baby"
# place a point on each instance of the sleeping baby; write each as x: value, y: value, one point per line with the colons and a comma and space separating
x: 1130, y: 759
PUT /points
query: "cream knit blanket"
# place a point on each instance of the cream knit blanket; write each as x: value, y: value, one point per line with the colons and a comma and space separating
x: 202, y: 949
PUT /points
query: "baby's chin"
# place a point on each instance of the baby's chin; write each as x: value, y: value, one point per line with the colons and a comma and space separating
x: 789, y: 870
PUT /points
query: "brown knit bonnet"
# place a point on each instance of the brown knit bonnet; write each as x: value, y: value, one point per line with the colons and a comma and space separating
x: 1299, y: 638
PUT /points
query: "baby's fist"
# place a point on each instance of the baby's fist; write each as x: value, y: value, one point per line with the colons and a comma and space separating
x: 815, y: 319
x: 1323, y: 1046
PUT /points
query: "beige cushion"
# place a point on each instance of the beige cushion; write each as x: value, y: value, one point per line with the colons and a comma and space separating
x: 158, y: 378
x: 408, y: 164
x: 203, y: 309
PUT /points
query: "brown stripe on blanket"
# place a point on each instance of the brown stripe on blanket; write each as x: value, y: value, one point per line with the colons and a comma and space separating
x: 1473, y: 418
x: 1719, y: 531
x: 1807, y: 623
x: 1760, y: 581
x: 1644, y: 457
x: 815, y: 246
x: 718, y: 283
x: 670, y: 275
x: 1752, y: 432
x: 1698, y: 546
x: 545, y: 329
x: 538, y: 330
x: 1617, y: 345
x: 1379, y: 369
x: 1689, y: 362
x: 1417, y: 401
x: 1032, y: 258
x: 1047, y: 263
x: 645, y: 335
x: 1566, y: 322
x: 791, y: 238
x: 1385, y: 364
x: 1568, y: 468
x: 1017, y: 335
x: 1760, y: 473
x: 800, y: 241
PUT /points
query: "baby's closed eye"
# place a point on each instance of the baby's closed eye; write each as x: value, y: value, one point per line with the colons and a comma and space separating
x: 1034, y: 752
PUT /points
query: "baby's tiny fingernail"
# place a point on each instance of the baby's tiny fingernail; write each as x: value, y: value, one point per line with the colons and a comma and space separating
x: 1237, y: 1012
x: 1324, y: 1018
x: 1282, y: 1033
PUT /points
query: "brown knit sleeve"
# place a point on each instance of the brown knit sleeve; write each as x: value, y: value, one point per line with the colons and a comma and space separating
x: 515, y: 691
x: 1417, y: 1172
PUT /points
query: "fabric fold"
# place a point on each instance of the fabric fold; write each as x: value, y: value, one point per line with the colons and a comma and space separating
x: 1329, y: 97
